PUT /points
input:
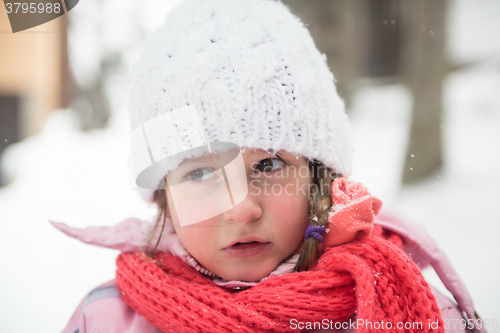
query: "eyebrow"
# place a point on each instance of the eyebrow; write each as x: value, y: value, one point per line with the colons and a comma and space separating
x: 276, y: 154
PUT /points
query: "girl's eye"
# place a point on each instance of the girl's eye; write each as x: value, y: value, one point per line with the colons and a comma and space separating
x: 269, y: 164
x: 200, y: 174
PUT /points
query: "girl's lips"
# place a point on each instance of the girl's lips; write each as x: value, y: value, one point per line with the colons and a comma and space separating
x: 243, y: 250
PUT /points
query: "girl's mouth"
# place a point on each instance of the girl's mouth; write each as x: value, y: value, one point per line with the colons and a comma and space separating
x: 241, y: 249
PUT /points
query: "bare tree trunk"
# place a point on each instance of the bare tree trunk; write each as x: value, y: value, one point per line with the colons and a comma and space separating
x: 384, y: 39
x: 424, y: 67
x: 339, y: 29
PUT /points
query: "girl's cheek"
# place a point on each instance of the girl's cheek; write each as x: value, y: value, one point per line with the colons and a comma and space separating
x: 192, y: 241
x: 290, y: 208
x: 197, y: 235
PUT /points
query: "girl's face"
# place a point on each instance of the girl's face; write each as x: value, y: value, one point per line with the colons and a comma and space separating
x: 248, y: 241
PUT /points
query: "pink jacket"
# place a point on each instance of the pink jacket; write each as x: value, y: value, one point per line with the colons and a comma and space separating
x: 103, y: 310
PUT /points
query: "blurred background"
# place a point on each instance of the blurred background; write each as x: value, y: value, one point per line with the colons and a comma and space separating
x: 421, y: 80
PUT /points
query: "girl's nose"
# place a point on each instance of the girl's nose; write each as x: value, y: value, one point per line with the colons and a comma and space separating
x: 247, y: 210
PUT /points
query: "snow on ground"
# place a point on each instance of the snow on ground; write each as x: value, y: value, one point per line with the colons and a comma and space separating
x: 82, y: 179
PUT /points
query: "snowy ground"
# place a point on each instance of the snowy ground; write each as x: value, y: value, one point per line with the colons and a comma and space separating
x: 82, y: 179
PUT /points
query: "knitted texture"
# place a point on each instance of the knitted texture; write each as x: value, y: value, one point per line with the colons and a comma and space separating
x: 253, y: 76
x: 369, y: 277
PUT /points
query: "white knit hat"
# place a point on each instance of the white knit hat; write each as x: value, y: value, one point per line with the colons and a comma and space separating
x: 245, y: 72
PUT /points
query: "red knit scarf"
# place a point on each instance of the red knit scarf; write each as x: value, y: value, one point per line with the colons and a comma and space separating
x: 369, y: 277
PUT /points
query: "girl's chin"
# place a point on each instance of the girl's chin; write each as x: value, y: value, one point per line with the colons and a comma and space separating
x: 246, y: 274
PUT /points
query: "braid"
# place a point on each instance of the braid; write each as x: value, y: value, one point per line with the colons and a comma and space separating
x: 320, y: 202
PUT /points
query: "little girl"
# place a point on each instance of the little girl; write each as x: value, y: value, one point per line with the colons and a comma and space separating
x: 240, y: 138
